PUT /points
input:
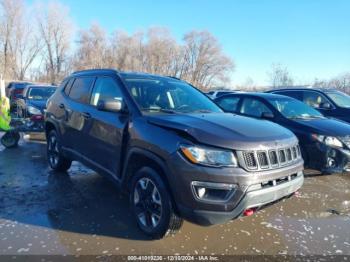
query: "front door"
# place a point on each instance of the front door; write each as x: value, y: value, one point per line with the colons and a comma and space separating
x: 105, y: 132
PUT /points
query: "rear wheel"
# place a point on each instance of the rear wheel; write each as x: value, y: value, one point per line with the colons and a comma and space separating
x: 54, y: 156
x: 152, y: 205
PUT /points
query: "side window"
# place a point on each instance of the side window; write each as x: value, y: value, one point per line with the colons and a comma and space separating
x: 314, y: 99
x: 253, y: 107
x: 293, y: 94
x: 229, y: 104
x: 80, y: 90
x: 105, y: 88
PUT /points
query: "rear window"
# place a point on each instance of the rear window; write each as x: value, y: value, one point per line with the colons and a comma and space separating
x: 80, y: 90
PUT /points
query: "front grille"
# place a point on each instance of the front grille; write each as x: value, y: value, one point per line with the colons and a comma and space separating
x: 289, y: 154
x: 295, y: 154
x: 273, y: 158
x: 282, y: 156
x: 269, y: 159
x: 262, y: 159
x: 249, y: 160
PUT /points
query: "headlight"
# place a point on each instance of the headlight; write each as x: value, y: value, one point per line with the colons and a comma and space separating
x: 33, y: 110
x: 209, y: 156
x: 328, y: 140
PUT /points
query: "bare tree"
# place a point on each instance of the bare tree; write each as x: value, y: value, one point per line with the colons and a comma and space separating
x: 204, y: 61
x: 92, y: 48
x: 11, y: 11
x: 55, y: 28
x: 27, y: 46
x: 340, y: 82
x: 128, y: 52
x: 161, y: 51
x: 279, y: 76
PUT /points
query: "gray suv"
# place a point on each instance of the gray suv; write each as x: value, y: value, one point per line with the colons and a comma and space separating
x: 175, y: 152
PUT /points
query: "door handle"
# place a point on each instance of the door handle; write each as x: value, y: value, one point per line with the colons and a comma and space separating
x: 61, y: 106
x: 86, y: 115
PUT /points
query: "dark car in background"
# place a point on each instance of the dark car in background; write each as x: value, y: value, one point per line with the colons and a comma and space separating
x: 324, y: 142
x: 14, y: 91
x: 33, y: 100
x: 171, y: 148
x: 217, y: 93
x: 330, y: 102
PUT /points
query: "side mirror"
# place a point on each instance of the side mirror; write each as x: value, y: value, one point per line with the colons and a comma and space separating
x: 325, y: 105
x: 267, y: 115
x: 110, y: 105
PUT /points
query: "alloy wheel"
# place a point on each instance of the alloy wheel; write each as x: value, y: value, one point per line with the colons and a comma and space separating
x: 53, y: 151
x: 148, y: 203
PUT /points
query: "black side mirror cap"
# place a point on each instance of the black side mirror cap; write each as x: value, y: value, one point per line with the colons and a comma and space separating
x: 325, y: 105
x: 110, y: 105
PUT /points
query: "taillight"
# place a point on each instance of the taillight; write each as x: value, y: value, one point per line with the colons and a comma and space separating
x: 18, y: 91
x: 37, y: 118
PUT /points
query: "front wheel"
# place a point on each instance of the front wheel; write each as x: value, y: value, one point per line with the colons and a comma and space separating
x: 10, y: 139
x: 54, y: 155
x: 152, y: 205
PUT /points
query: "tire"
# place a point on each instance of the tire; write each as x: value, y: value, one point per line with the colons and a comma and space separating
x: 10, y: 139
x: 54, y: 155
x: 152, y: 206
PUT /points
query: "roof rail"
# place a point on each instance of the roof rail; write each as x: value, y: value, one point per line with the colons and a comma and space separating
x: 176, y: 78
x: 95, y: 69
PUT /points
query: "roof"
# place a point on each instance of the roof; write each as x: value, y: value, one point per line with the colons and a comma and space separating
x: 121, y: 73
x: 255, y: 94
x: 98, y: 71
x: 319, y: 89
x: 40, y: 85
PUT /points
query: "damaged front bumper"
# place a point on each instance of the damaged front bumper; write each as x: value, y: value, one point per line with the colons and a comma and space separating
x: 327, y: 159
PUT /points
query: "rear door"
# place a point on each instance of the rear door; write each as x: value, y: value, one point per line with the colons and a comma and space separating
x: 77, y: 117
x: 228, y: 103
x: 105, y: 132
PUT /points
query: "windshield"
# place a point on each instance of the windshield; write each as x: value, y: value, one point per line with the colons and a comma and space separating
x: 339, y: 98
x: 40, y: 93
x: 169, y: 96
x: 294, y: 109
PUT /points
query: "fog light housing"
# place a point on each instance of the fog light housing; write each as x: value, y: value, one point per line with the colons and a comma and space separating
x: 331, y: 162
x: 213, y: 192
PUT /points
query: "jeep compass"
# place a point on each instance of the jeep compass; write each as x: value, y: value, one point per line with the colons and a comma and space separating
x: 174, y: 151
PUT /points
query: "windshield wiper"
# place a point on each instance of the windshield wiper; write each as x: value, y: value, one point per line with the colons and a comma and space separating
x: 305, y: 117
x: 168, y: 111
x: 202, y: 111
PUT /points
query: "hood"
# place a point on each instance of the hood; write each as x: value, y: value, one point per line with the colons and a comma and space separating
x: 40, y: 104
x: 327, y: 126
x: 227, y: 130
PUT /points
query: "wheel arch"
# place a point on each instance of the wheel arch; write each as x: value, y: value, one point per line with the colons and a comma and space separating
x: 138, y: 158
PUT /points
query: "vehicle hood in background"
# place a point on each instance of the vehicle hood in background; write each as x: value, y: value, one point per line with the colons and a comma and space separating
x: 326, y: 126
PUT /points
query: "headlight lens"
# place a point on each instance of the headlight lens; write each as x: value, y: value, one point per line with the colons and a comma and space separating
x: 328, y: 140
x: 33, y: 110
x: 208, y: 156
